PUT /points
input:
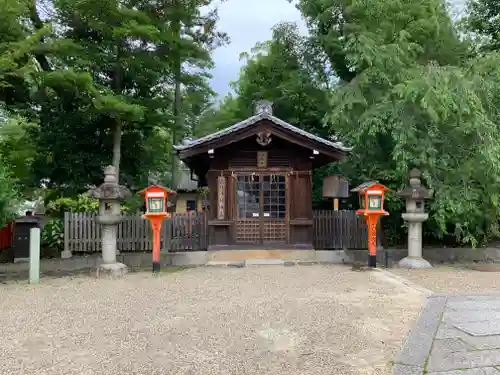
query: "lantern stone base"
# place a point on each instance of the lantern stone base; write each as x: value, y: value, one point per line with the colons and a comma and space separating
x: 414, y: 262
x: 111, y: 270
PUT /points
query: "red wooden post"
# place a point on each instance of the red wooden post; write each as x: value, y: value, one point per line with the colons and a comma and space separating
x: 371, y: 198
x: 156, y: 210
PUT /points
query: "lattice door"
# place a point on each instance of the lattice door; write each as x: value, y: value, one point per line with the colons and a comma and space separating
x: 248, y: 204
x: 261, y: 209
x: 274, y: 208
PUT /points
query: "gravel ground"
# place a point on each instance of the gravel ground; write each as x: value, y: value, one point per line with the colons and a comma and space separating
x: 452, y: 279
x: 256, y: 320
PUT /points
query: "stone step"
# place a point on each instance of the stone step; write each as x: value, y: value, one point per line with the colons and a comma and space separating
x: 260, y: 262
x: 215, y: 263
x: 245, y: 255
x: 264, y: 262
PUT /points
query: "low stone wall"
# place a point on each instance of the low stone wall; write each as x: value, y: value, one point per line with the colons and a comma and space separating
x: 433, y: 255
x: 132, y: 260
x: 198, y: 258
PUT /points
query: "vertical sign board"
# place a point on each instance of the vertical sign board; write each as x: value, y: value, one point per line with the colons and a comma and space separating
x: 261, y: 159
x: 221, y: 197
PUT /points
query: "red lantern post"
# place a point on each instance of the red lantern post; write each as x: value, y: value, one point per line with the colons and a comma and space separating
x: 156, y: 210
x: 371, y: 200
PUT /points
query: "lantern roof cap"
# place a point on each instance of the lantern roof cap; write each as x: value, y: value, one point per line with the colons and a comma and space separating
x: 159, y: 187
x: 362, y: 189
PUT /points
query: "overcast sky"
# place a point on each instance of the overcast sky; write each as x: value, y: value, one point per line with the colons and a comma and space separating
x: 248, y: 22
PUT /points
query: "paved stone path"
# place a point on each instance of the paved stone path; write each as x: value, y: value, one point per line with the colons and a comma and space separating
x: 454, y: 335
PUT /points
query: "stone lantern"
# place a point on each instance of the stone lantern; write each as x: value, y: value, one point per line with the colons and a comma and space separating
x: 110, y: 195
x: 415, y: 196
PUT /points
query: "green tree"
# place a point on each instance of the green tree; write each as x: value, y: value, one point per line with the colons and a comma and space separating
x: 101, y: 86
x: 401, y: 109
x: 281, y: 70
x: 219, y: 116
x: 108, y: 86
x: 9, y: 198
x: 483, y: 19
x: 191, y: 35
x: 20, y: 60
x: 17, y: 148
x: 339, y: 26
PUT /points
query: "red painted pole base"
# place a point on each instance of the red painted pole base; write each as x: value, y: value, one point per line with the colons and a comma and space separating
x: 156, y: 267
x: 156, y: 220
x: 372, y: 261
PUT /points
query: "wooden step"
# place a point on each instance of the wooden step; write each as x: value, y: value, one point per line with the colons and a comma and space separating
x: 241, y: 255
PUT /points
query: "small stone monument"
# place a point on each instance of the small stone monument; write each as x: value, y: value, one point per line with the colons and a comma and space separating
x: 110, y: 194
x: 415, y: 196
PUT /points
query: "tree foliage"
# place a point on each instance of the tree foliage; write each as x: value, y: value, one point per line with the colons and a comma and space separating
x: 483, y: 19
x: 412, y: 103
x: 9, y: 197
x: 98, y: 79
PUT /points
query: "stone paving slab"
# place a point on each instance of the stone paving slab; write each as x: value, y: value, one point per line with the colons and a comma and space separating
x: 454, y: 335
x: 464, y: 316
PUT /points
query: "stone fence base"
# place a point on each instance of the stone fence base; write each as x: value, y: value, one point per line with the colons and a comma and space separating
x: 434, y: 255
x: 135, y: 260
x: 198, y: 258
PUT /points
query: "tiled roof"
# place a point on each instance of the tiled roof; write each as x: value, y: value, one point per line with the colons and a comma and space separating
x: 254, y: 119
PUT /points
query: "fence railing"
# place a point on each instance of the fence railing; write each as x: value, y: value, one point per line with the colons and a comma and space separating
x: 182, y: 232
x: 189, y: 232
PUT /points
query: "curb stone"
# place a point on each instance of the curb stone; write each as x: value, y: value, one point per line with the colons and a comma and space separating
x: 413, y: 357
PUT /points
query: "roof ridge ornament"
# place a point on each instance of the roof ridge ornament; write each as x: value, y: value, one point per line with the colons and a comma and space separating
x: 263, y: 106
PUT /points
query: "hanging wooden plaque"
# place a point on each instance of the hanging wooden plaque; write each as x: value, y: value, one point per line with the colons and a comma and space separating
x: 262, y: 159
x: 221, y: 198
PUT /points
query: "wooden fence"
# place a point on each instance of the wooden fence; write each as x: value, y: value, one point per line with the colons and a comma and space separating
x: 183, y: 232
x: 189, y: 232
x: 339, y: 230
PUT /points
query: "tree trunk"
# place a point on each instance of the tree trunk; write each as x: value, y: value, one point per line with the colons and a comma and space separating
x: 117, y: 131
x: 117, y: 148
x: 175, y: 135
x: 177, y: 107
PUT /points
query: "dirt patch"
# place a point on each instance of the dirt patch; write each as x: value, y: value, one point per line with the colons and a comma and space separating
x: 254, y: 320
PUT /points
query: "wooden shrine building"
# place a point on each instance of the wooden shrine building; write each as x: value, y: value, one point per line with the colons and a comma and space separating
x: 259, y: 175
